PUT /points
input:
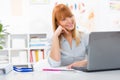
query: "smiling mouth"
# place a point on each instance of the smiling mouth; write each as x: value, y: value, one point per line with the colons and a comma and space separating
x: 70, y: 25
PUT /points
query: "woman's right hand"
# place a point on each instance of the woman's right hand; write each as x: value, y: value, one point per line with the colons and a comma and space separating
x: 78, y: 64
x: 60, y: 30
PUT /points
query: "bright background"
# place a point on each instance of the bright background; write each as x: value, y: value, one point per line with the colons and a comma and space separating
x: 34, y: 16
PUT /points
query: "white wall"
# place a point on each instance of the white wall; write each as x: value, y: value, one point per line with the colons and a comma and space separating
x: 36, y: 18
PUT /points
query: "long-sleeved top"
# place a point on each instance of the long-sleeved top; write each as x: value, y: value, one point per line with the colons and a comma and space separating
x: 69, y: 54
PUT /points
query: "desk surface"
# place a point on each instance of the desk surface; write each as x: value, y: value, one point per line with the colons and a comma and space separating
x: 63, y: 75
x: 60, y: 75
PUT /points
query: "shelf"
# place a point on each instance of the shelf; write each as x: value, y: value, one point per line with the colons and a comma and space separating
x: 19, y: 56
x: 23, y: 48
x: 18, y: 41
x: 4, y: 56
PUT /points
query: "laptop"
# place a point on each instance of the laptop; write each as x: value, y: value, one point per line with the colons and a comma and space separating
x: 103, y: 52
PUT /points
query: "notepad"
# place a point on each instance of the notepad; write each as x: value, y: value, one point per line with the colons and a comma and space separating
x: 56, y: 69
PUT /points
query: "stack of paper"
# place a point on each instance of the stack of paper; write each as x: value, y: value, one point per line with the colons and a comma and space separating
x: 5, y: 68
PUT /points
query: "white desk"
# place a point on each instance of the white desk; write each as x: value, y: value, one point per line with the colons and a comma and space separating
x: 63, y: 75
x: 42, y: 75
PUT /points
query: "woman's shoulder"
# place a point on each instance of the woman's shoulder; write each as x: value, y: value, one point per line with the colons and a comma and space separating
x: 84, y: 37
x: 83, y: 34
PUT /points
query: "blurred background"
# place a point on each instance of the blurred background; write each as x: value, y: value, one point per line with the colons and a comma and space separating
x: 34, y: 16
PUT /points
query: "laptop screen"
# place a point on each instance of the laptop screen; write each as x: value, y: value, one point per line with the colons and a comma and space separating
x: 104, y: 50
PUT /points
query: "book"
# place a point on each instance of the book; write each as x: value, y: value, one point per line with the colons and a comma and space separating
x: 36, y: 55
x: 5, y: 68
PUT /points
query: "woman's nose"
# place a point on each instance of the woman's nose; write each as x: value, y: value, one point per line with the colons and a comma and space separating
x: 69, y: 20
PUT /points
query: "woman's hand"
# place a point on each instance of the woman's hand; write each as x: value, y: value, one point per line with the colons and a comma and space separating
x: 60, y: 30
x: 78, y: 64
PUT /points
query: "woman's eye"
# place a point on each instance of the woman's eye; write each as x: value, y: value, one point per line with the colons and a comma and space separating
x: 63, y: 19
x: 71, y: 16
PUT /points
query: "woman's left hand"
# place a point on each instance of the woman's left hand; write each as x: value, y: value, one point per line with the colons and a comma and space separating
x: 78, y: 64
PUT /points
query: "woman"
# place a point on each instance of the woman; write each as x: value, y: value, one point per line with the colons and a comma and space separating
x: 68, y: 46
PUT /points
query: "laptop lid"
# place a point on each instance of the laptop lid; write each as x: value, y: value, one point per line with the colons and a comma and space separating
x: 104, y: 51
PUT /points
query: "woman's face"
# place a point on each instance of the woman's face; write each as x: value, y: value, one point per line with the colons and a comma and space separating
x: 67, y: 23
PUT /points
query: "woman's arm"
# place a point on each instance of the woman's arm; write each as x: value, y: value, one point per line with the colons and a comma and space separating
x: 55, y: 56
x: 55, y: 49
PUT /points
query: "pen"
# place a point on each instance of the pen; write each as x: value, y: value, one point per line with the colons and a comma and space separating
x: 58, y: 70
